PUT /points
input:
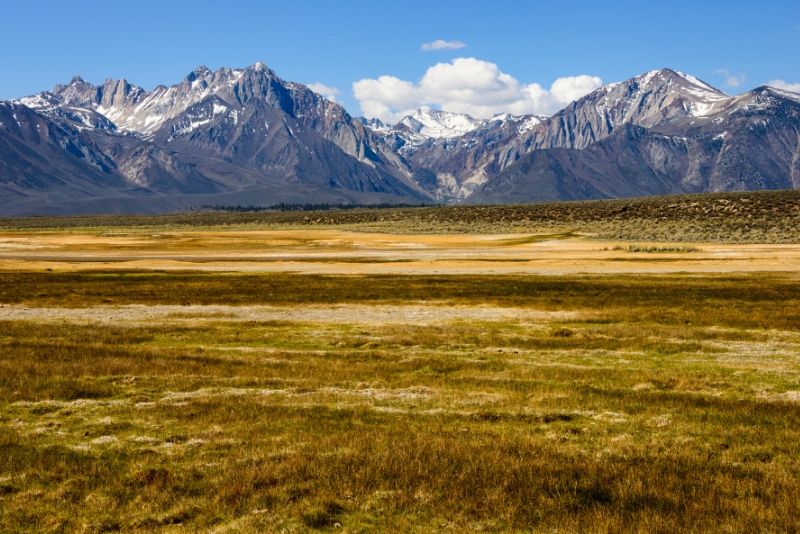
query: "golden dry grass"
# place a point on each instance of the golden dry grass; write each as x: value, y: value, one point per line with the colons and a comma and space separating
x: 441, y: 369
x: 334, y: 251
x: 629, y: 403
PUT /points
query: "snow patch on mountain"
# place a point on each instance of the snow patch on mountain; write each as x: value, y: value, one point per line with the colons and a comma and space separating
x: 791, y: 95
x: 522, y: 123
x: 38, y: 101
x: 134, y: 110
x: 438, y: 124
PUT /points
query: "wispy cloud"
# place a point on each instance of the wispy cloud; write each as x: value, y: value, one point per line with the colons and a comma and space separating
x: 325, y: 90
x: 786, y: 86
x: 731, y: 80
x: 441, y: 44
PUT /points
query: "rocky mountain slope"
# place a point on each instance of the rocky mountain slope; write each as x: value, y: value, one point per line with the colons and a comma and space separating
x: 241, y: 136
x: 659, y: 133
x: 452, y: 154
x: 747, y: 142
x: 247, y: 137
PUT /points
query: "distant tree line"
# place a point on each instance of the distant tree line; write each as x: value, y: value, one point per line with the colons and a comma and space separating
x: 306, y: 206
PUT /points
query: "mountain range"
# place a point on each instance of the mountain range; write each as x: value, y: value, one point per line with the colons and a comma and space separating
x: 247, y: 137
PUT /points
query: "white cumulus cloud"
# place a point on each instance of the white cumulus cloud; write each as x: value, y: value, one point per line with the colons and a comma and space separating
x: 467, y: 85
x: 325, y: 90
x: 571, y: 88
x: 731, y: 80
x: 441, y: 44
x: 786, y: 86
x: 387, y: 97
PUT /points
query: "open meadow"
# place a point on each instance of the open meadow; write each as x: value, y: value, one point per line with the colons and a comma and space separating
x: 604, y: 367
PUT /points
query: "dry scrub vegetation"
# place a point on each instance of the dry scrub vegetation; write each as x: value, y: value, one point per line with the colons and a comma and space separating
x: 747, y: 217
x: 657, y: 404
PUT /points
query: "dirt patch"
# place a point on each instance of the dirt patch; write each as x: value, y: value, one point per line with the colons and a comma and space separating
x: 340, y: 314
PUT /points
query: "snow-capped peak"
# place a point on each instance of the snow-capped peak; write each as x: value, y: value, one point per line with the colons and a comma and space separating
x: 135, y: 110
x: 654, y: 97
x: 701, y: 84
x: 678, y: 81
x: 523, y: 123
x: 439, y: 124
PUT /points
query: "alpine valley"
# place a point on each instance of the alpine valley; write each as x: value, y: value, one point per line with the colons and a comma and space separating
x: 246, y: 137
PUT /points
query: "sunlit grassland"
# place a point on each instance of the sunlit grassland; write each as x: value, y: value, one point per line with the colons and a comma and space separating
x: 644, y: 403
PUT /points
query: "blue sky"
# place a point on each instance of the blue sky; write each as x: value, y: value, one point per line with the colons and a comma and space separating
x: 339, y: 43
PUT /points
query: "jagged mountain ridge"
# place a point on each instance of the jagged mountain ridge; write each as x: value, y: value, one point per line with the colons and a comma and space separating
x: 453, y: 167
x: 233, y: 133
x: 668, y: 103
x: 650, y: 100
x: 452, y: 153
x: 132, y: 109
x: 747, y: 142
x: 245, y: 136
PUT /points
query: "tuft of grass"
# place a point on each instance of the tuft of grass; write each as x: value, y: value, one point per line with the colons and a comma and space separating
x: 325, y: 516
x: 562, y: 332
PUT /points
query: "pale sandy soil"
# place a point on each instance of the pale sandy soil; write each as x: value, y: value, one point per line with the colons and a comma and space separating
x: 340, y: 252
x: 339, y: 314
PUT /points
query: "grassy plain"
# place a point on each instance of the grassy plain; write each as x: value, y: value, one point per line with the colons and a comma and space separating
x: 751, y: 217
x: 223, y: 395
